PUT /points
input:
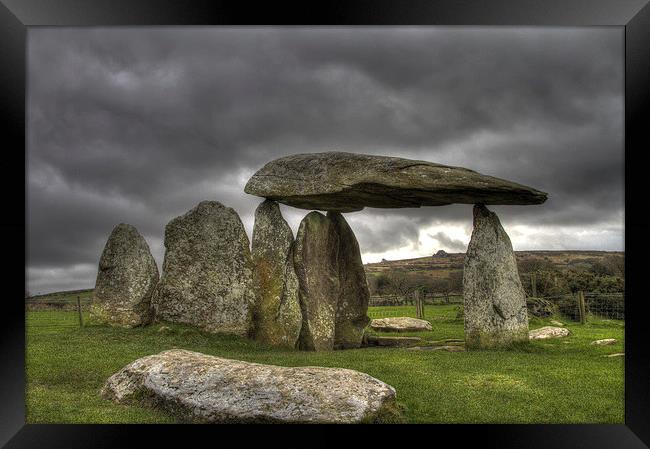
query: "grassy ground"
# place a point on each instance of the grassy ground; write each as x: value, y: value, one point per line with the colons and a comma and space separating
x: 558, y: 381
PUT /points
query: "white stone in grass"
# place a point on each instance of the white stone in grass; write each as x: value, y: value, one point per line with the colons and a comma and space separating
x: 616, y: 354
x: 604, y: 341
x: 400, y: 324
x: 202, y: 388
x: 556, y: 323
x: 548, y: 332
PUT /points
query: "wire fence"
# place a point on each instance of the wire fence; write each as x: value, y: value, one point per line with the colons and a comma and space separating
x: 579, y: 306
x: 427, y: 299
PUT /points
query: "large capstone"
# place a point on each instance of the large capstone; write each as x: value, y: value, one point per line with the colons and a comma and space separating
x: 276, y: 316
x: 316, y: 263
x: 202, y: 388
x: 207, y: 271
x: 346, y: 182
x: 495, y: 302
x: 352, y: 309
x: 126, y: 279
x: 333, y: 288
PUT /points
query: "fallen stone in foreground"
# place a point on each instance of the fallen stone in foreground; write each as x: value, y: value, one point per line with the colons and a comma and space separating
x: 203, y: 388
x: 393, y: 342
x: 548, y: 332
x: 604, y: 341
x: 616, y: 354
x: 400, y: 324
x: 347, y: 182
x: 126, y: 280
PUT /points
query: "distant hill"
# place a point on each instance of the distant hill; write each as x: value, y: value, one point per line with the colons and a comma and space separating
x: 441, y: 264
x: 435, y: 268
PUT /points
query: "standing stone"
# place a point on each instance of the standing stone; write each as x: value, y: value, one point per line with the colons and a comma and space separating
x: 495, y: 302
x: 276, y: 317
x: 333, y: 289
x: 126, y: 279
x: 351, y: 314
x: 316, y: 264
x: 207, y: 271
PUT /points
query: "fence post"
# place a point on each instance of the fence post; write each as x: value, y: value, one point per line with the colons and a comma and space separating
x: 533, y: 283
x: 422, y: 307
x: 581, y: 307
x: 81, y: 317
x: 418, y: 310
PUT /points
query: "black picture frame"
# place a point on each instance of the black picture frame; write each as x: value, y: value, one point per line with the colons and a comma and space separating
x: 17, y: 15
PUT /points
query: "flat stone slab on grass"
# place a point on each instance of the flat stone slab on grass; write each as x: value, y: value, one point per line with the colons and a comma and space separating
x: 347, y: 182
x: 604, y: 341
x: 204, y: 388
x: 617, y: 354
x: 395, y: 342
x: 548, y: 332
x: 400, y: 324
x: 556, y: 323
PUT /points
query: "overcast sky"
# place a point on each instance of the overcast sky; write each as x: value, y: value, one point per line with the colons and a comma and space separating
x: 138, y: 125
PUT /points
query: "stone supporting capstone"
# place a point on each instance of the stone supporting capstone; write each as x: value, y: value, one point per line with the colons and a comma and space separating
x: 277, y: 318
x: 333, y: 289
x: 352, y: 310
x: 495, y: 301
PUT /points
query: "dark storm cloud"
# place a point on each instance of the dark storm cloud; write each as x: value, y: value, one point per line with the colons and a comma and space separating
x: 140, y: 124
x: 448, y: 242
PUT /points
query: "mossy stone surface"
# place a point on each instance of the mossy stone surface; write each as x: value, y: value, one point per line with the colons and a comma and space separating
x: 495, y: 311
x: 352, y: 309
x: 316, y: 264
x: 207, y: 272
x: 277, y: 318
x: 347, y: 182
x: 126, y: 279
x: 333, y: 287
x: 207, y: 389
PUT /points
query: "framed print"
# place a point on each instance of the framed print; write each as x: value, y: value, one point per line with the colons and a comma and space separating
x: 391, y: 215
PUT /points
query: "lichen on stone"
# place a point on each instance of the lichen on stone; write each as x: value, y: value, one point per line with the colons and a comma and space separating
x: 126, y: 278
x: 207, y: 271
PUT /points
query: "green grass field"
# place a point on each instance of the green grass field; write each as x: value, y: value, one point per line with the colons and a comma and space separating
x: 555, y: 381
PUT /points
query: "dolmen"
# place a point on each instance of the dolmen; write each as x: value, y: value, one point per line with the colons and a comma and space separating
x: 310, y: 292
x: 206, y: 389
x: 332, y: 290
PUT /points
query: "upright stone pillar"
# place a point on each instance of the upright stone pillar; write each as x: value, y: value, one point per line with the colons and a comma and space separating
x: 207, y: 272
x: 495, y: 301
x: 126, y: 279
x: 277, y: 318
x: 333, y: 288
x: 316, y: 264
x: 352, y: 309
